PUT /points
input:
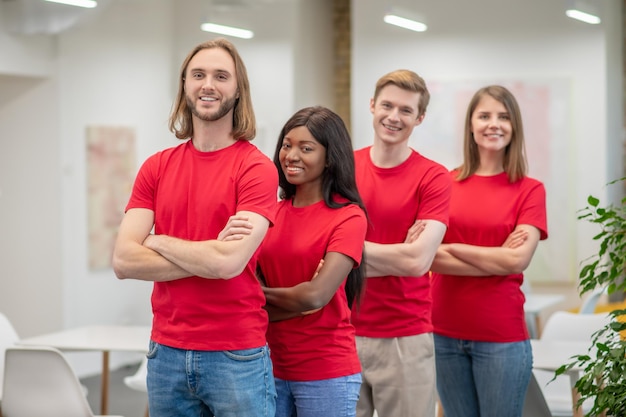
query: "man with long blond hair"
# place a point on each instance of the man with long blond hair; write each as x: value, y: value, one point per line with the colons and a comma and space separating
x: 208, y: 354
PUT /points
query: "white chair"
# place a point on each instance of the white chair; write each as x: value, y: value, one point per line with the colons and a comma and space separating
x: 38, y: 381
x: 8, y: 338
x: 589, y: 304
x: 566, y: 326
x: 137, y: 381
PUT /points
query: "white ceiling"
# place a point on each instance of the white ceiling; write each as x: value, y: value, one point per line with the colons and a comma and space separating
x: 42, y: 17
x: 32, y: 17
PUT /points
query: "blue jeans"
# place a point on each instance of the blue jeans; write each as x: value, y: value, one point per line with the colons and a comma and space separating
x: 335, y: 397
x: 210, y: 383
x: 482, y: 379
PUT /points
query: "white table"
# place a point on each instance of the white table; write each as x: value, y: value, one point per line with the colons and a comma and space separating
x: 104, y: 338
x: 534, y: 305
x: 551, y: 355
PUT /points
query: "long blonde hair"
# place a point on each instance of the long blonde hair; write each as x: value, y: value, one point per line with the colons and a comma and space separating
x: 244, y: 123
x: 515, y: 163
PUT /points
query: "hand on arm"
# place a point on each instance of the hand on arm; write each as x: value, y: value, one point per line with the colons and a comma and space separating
x: 415, y: 231
x: 315, y: 275
x: 214, y: 258
x: 409, y: 258
x: 516, y: 238
x: 237, y: 227
x: 133, y: 260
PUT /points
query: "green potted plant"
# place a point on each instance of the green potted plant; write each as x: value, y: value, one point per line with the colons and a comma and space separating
x: 603, y: 368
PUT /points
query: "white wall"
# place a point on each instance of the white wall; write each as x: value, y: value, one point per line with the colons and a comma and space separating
x: 509, y: 42
x: 113, y: 72
x: 109, y: 78
x: 120, y: 68
x: 30, y: 209
x: 25, y: 56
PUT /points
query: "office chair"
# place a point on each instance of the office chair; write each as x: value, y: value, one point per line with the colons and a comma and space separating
x: 38, y: 381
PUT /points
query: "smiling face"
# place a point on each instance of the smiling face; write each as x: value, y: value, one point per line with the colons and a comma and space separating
x: 491, y: 125
x: 395, y: 114
x: 211, y: 84
x: 302, y: 158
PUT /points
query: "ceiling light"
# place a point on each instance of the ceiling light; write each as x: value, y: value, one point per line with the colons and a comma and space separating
x: 583, y: 16
x: 89, y: 4
x: 583, y: 11
x: 404, y: 20
x: 227, y: 30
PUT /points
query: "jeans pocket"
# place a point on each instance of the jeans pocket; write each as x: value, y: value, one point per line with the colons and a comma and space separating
x: 152, y: 349
x: 244, y: 355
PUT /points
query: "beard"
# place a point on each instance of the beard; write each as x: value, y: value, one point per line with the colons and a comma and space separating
x: 227, y: 105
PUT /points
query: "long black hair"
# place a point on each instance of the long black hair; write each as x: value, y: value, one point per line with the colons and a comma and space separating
x: 338, y: 177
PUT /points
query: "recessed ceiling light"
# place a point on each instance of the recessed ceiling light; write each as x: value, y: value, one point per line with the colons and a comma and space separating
x: 583, y: 10
x: 227, y: 30
x: 89, y: 4
x: 583, y: 16
x: 404, y: 19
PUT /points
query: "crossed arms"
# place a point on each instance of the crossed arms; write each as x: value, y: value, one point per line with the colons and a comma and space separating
x: 143, y: 256
x: 412, y: 258
x: 512, y: 257
x: 308, y: 297
x: 422, y: 250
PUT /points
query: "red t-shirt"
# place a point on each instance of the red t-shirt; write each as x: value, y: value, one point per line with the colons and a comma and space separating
x: 320, y: 345
x: 192, y: 194
x: 483, y: 212
x: 394, y: 198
